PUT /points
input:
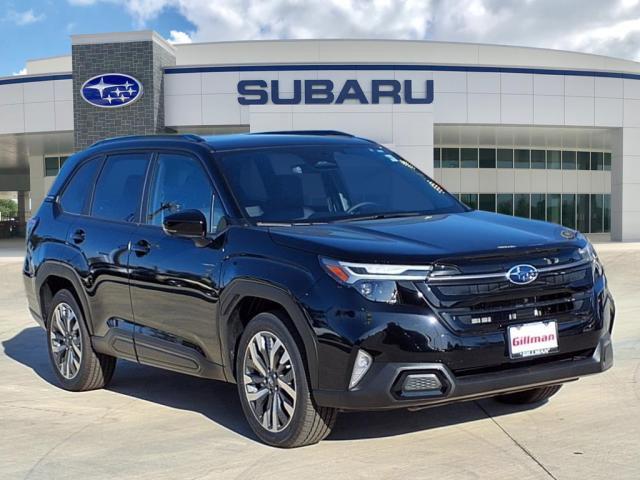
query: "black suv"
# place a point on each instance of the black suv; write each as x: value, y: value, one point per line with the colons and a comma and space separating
x: 318, y: 271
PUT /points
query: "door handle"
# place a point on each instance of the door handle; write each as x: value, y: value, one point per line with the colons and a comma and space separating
x: 141, y: 248
x: 78, y: 236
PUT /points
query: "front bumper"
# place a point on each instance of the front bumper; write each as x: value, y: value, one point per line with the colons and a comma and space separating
x: 377, y: 391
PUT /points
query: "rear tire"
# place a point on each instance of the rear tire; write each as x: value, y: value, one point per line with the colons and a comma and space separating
x: 273, y: 386
x: 534, y: 395
x: 76, y: 365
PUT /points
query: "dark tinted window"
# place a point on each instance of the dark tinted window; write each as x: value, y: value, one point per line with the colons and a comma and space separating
x: 487, y: 158
x: 521, y: 158
x: 538, y: 159
x: 76, y: 195
x: 505, y: 203
x: 119, y: 187
x: 469, y: 157
x: 597, y: 160
x: 450, y: 157
x: 521, y: 205
x: 180, y: 183
x: 505, y: 158
x: 569, y: 210
x: 470, y: 200
x: 538, y: 206
x: 436, y: 158
x: 323, y: 183
x: 487, y: 202
x: 583, y: 160
x: 553, y: 159
x: 568, y: 160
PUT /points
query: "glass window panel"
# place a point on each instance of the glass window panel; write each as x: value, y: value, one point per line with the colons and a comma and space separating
x: 450, y: 157
x: 597, y: 160
x: 607, y: 161
x: 553, y: 159
x: 521, y: 158
x: 119, y: 187
x: 584, y: 160
x: 179, y: 184
x: 487, y: 158
x: 51, y: 166
x: 521, y: 205
x: 487, y: 202
x: 470, y: 200
x: 538, y: 159
x: 569, y: 210
x: 596, y: 213
x: 62, y: 160
x: 553, y: 207
x: 436, y: 158
x: 469, y: 157
x: 505, y: 158
x: 538, y: 206
x: 568, y: 160
x: 505, y: 203
x: 607, y: 213
x: 76, y: 194
x: 582, y: 213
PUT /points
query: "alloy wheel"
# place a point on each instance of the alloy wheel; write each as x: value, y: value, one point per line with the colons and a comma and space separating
x: 66, y: 340
x: 269, y: 381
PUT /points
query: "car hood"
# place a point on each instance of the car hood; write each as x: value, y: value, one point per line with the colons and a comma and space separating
x: 426, y: 239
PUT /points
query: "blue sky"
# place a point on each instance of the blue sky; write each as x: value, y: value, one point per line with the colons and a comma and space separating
x: 41, y: 28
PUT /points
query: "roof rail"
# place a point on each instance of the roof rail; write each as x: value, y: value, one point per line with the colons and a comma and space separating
x: 185, y: 136
x: 306, y: 132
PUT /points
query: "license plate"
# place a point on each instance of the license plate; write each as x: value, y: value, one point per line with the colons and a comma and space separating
x: 532, y: 339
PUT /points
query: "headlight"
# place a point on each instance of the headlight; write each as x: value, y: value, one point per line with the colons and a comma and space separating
x: 589, y: 253
x: 374, y: 281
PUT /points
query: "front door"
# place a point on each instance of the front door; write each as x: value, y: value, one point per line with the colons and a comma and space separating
x: 174, y: 281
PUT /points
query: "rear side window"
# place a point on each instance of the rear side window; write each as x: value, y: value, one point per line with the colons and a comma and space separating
x: 76, y: 195
x: 119, y: 187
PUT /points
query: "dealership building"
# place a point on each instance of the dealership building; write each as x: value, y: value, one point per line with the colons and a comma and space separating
x: 539, y: 133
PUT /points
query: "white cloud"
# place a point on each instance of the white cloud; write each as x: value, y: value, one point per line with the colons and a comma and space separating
x: 176, y: 36
x: 24, y: 18
x: 22, y: 71
x: 610, y: 28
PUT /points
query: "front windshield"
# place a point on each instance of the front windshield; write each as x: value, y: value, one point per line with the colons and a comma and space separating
x: 302, y: 184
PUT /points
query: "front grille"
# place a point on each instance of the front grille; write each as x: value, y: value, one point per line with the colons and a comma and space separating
x: 487, y: 302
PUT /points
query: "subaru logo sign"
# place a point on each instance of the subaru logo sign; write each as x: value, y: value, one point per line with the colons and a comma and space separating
x: 111, y: 90
x: 522, y: 274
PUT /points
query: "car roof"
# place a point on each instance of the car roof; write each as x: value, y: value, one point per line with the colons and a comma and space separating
x: 238, y: 141
x: 274, y: 139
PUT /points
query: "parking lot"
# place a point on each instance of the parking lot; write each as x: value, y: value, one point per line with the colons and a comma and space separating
x: 151, y: 424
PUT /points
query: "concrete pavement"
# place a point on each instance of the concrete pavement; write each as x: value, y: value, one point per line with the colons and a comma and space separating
x: 151, y: 424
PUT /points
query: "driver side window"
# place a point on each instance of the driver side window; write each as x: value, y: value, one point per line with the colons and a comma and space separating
x: 180, y: 183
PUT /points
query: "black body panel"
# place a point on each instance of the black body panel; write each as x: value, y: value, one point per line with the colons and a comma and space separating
x: 177, y: 303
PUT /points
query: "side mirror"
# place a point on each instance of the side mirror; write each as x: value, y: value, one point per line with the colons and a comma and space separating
x: 188, y: 224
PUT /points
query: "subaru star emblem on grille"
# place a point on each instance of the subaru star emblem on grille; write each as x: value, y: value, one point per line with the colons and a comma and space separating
x: 111, y: 90
x: 522, y: 274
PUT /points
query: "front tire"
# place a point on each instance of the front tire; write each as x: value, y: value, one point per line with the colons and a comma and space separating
x: 76, y: 365
x: 525, y: 397
x: 273, y: 386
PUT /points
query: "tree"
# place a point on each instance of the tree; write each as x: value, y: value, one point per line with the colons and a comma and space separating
x: 8, y: 209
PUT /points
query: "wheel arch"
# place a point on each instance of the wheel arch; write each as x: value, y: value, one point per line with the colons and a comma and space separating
x: 54, y: 276
x: 264, y: 297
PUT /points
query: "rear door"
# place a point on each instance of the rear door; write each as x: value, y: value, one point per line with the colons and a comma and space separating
x: 174, y: 281
x: 102, y: 237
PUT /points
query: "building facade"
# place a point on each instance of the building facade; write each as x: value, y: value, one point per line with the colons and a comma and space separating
x: 538, y: 133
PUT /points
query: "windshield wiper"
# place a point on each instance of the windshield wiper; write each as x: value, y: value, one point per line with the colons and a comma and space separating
x: 380, y: 216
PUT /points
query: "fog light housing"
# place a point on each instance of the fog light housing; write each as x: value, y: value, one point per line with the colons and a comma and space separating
x: 360, y: 368
x: 421, y: 382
